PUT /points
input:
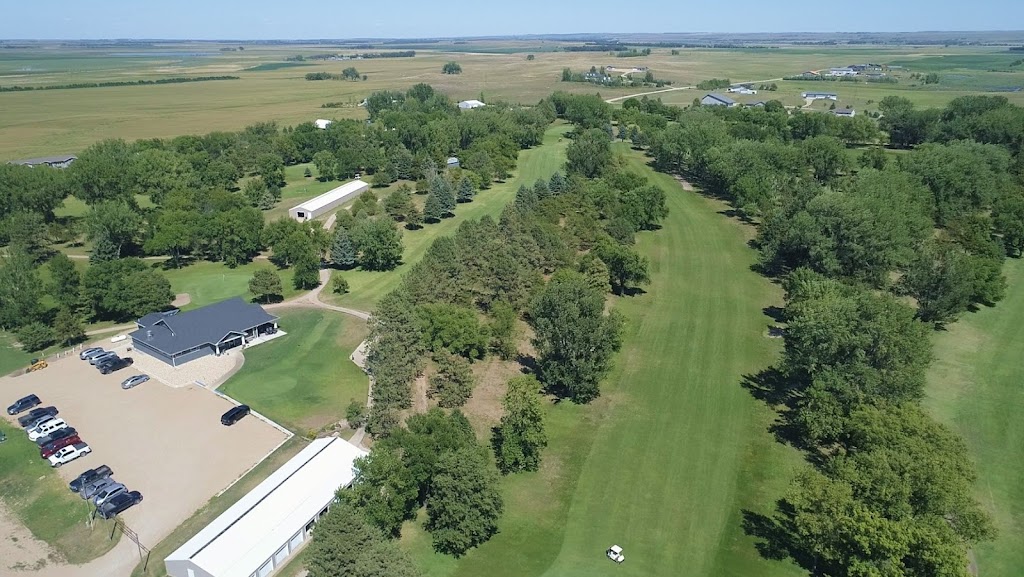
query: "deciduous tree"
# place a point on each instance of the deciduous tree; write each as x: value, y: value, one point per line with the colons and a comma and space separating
x: 454, y: 381
x: 520, y: 438
x: 265, y: 285
x: 464, y: 504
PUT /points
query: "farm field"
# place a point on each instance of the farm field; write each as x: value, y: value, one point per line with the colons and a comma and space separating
x: 975, y: 387
x: 303, y: 380
x: 675, y: 448
x: 49, y: 122
x: 367, y: 287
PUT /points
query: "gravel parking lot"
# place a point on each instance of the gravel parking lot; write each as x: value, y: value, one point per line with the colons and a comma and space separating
x: 165, y: 442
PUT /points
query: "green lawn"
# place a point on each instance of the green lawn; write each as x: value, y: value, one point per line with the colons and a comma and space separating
x: 304, y: 380
x: 975, y: 386
x: 208, y: 282
x: 541, y: 162
x: 40, y: 499
x: 675, y: 448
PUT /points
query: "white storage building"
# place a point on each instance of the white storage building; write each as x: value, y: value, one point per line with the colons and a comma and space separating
x: 267, y: 526
x: 328, y: 201
x: 322, y: 123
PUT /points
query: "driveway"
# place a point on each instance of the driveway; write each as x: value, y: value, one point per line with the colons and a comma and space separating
x: 166, y: 442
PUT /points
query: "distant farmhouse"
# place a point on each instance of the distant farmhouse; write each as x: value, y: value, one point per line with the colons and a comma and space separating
x: 51, y: 161
x: 322, y: 123
x: 845, y: 113
x: 717, y: 100
x: 742, y: 89
x: 327, y: 201
x: 842, y: 72
x: 470, y: 104
x: 820, y: 95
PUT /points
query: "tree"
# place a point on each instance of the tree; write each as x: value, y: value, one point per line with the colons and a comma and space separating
x: 156, y: 173
x: 442, y: 190
x: 451, y: 68
x: 65, y: 282
x: 379, y: 244
x: 383, y: 490
x: 942, y: 279
x: 1008, y: 219
x: 644, y: 206
x: 338, y: 284
x: 100, y: 173
x: 270, y: 167
x: 557, y: 184
x: 453, y: 328
x: 350, y: 73
x: 873, y: 157
x: 343, y: 250
x: 574, y: 338
x: 520, y: 437
x: 26, y: 233
x: 398, y: 204
x: 466, y: 191
x: 67, y: 327
x: 35, y: 336
x: 530, y: 57
x: 326, y: 165
x: 464, y: 504
x: 589, y: 153
x: 261, y: 194
x: 355, y: 414
x: 20, y: 291
x: 625, y: 266
x: 115, y: 221
x: 307, y: 271
x: 503, y: 330
x: 826, y: 155
x: 414, y: 219
x: 345, y: 544
x: 433, y: 211
x: 103, y: 249
x: 176, y: 231
x: 453, y: 383
x: 265, y: 285
x: 125, y: 288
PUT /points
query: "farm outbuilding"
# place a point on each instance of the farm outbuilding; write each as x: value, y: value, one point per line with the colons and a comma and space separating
x: 328, y: 201
x: 63, y: 161
x: 322, y: 123
x: 820, y: 95
x: 717, y: 100
x: 179, y: 338
x: 470, y: 104
x: 258, y: 534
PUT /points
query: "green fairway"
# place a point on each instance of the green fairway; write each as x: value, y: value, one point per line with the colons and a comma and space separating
x: 304, y: 379
x: 40, y: 499
x: 209, y: 282
x: 975, y: 387
x: 367, y: 287
x: 664, y: 462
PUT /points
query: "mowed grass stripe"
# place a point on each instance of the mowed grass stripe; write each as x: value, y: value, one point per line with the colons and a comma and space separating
x: 975, y: 387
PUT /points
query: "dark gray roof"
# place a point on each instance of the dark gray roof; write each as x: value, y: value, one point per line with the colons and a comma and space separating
x: 206, y: 325
x: 45, y: 160
x: 720, y: 98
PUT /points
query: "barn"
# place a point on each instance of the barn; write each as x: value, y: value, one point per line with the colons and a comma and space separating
x: 328, y: 201
x: 177, y: 338
x: 257, y: 535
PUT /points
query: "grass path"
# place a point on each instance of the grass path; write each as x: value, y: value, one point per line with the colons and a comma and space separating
x: 975, y: 387
x: 664, y: 462
x: 540, y: 162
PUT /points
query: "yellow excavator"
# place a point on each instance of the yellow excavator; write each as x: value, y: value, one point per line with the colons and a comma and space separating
x: 36, y: 365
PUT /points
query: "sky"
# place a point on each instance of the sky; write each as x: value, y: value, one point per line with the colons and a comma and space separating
x: 340, y: 19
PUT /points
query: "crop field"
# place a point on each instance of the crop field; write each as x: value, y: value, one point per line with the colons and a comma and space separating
x: 271, y: 88
x: 975, y: 387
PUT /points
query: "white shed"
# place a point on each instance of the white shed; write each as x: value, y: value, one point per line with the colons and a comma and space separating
x: 258, y: 534
x: 470, y: 104
x: 328, y: 201
x: 322, y: 123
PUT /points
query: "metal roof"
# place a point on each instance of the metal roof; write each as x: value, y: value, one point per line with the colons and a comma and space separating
x: 46, y: 160
x: 720, y: 98
x: 331, y: 196
x: 241, y: 539
x: 206, y: 325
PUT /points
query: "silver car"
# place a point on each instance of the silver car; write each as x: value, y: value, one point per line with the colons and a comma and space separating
x: 134, y: 381
x: 107, y: 492
x: 102, y: 357
x: 90, y: 352
x: 89, y: 491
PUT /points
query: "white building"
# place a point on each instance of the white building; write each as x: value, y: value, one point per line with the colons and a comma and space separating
x: 845, y: 113
x: 820, y: 95
x: 322, y: 123
x: 263, y: 529
x: 470, y: 104
x: 742, y: 90
x: 328, y: 201
x: 841, y: 72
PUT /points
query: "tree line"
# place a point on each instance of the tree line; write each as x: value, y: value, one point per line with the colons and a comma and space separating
x: 887, y: 490
x: 110, y: 83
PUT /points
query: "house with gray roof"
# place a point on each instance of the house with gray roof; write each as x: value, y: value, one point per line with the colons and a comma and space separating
x: 717, y: 100
x: 177, y: 338
x: 62, y: 161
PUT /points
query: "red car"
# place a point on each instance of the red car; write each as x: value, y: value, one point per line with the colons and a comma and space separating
x: 55, y: 446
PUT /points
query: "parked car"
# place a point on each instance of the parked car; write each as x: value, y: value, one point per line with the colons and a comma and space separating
x: 118, y: 504
x: 234, y: 415
x: 46, y: 427
x: 90, y: 352
x: 101, y: 357
x: 32, y: 417
x: 47, y: 451
x: 23, y: 404
x: 107, y: 492
x: 56, y: 436
x: 116, y: 365
x: 68, y: 454
x: 134, y: 381
x: 90, y: 476
x: 89, y: 490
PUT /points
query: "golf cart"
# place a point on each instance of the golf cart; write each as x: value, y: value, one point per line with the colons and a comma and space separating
x: 615, y: 554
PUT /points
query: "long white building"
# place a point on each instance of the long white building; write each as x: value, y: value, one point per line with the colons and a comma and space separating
x: 328, y: 201
x: 259, y: 533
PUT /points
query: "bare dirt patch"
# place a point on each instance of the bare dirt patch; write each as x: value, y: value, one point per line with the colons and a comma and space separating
x: 19, y: 549
x: 484, y: 408
x: 181, y: 300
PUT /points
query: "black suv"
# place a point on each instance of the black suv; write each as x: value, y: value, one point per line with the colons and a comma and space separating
x: 90, y: 476
x: 119, y: 503
x: 36, y: 414
x: 23, y: 404
x: 115, y: 364
x: 234, y: 415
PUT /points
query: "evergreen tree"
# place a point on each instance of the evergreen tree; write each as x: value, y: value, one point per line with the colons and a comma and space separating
x: 541, y: 189
x: 66, y: 282
x: 343, y: 250
x: 414, y: 218
x: 67, y: 327
x: 103, y: 249
x: 454, y: 381
x: 433, y: 210
x: 557, y: 185
x: 466, y: 190
x: 265, y: 285
x: 520, y: 437
x: 442, y: 190
x: 526, y: 199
